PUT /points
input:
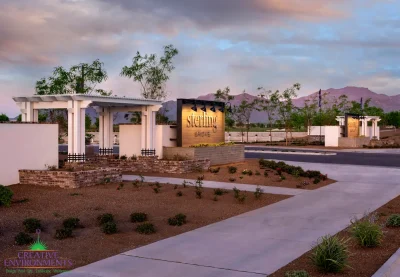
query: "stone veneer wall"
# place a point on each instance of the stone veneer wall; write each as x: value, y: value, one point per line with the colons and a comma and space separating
x: 216, y: 154
x: 353, y: 142
x: 69, y: 179
x: 152, y: 164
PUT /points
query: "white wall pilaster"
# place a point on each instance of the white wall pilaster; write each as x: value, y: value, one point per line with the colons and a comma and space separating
x: 70, y: 127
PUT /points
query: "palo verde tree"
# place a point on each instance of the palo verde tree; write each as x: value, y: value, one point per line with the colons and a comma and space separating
x: 152, y: 72
x: 79, y: 79
x: 241, y: 114
x: 285, y: 107
x: 224, y: 96
x: 267, y: 102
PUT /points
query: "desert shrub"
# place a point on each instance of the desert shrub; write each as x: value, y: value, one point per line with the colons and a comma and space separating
x: 214, y: 170
x: 179, y: 194
x: 323, y: 177
x: 247, y: 172
x: 283, y: 177
x: 312, y: 174
x: 241, y: 198
x: 133, y: 157
x: 366, y: 231
x: 71, y: 223
x: 199, y: 194
x: 236, y: 192
x: 297, y: 273
x: 104, y: 218
x: 257, y: 173
x: 220, y: 192
x: 156, y: 190
x: 157, y: 184
x: 265, y: 173
x: 258, y: 192
x: 32, y: 224
x: 232, y: 169
x: 393, y: 220
x: 177, y: 220
x: 135, y: 183
x: 296, y: 171
x: 109, y: 228
x: 6, y: 195
x: 302, y: 184
x: 316, y: 181
x: 63, y: 233
x: 232, y: 179
x: 200, y: 178
x: 185, y: 183
x: 23, y: 239
x: 75, y: 194
x: 146, y: 228
x: 123, y: 157
x: 138, y: 217
x: 331, y: 254
x: 120, y: 186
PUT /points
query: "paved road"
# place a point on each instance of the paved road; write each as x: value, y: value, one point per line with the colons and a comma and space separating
x: 370, y: 159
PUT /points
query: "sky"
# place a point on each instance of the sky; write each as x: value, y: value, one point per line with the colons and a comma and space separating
x: 243, y: 44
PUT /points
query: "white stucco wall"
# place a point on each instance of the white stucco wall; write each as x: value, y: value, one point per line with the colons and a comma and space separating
x: 315, y: 130
x: 26, y: 146
x: 332, y: 134
x: 261, y: 136
x: 130, y: 140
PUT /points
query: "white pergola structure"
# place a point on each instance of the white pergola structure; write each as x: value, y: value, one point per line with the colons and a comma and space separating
x: 104, y: 105
x: 364, y: 124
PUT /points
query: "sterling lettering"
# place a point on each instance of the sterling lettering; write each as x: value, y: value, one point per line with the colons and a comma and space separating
x: 203, y: 120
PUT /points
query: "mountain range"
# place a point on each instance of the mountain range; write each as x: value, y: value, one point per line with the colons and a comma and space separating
x: 387, y: 103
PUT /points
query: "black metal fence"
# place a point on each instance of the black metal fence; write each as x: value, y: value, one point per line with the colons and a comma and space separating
x: 106, y: 151
x: 73, y: 158
x: 148, y: 152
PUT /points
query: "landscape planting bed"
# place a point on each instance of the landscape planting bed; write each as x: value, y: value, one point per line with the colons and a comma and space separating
x: 250, y: 164
x: 52, y: 205
x: 364, y: 262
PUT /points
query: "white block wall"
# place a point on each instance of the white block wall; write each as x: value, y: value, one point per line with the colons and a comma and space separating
x: 332, y: 134
x: 26, y: 146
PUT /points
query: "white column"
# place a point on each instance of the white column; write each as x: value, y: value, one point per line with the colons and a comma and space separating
x: 71, y: 127
x: 111, y: 129
x: 144, y: 128
x: 77, y: 128
x: 101, y: 127
x: 106, y: 126
x: 35, y: 116
x: 82, y: 131
x: 29, y: 112
x: 151, y: 124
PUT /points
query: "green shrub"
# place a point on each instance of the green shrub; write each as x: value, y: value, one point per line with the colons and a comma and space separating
x: 258, y: 192
x: 123, y: 157
x: 199, y: 194
x: 236, y: 192
x: 177, y: 220
x: 316, y: 181
x: 331, y: 254
x: 257, y: 173
x: 282, y: 177
x: 232, y: 179
x: 23, y: 239
x: 179, y: 193
x: 265, y: 173
x: 71, y: 223
x: 109, y: 228
x: 241, y: 198
x: 297, y: 273
x: 63, y: 233
x: 156, y: 190
x: 214, y: 170
x: 366, y: 232
x: 247, y: 172
x: 393, y: 220
x: 220, y: 192
x: 6, y: 195
x: 138, y: 217
x: 232, y: 169
x: 32, y: 224
x: 104, y: 218
x: 146, y: 228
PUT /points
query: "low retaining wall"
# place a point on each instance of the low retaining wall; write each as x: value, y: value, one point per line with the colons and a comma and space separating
x: 69, y: 179
x: 216, y: 154
x: 153, y: 165
x: 353, y: 142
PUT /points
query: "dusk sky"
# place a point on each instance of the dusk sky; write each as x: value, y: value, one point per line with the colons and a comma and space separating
x: 243, y: 44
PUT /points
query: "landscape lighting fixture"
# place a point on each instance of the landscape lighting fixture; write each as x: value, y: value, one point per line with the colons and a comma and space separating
x: 194, y: 108
x: 213, y: 108
x: 204, y: 107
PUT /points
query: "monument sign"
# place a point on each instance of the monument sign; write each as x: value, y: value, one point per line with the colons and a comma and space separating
x: 200, y: 121
x: 352, y: 126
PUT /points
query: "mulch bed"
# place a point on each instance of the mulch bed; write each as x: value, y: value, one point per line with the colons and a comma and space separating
x: 52, y: 205
x: 364, y: 262
x: 251, y: 164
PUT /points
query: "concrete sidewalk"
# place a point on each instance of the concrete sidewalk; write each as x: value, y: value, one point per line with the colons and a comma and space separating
x: 259, y: 242
x: 214, y: 184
